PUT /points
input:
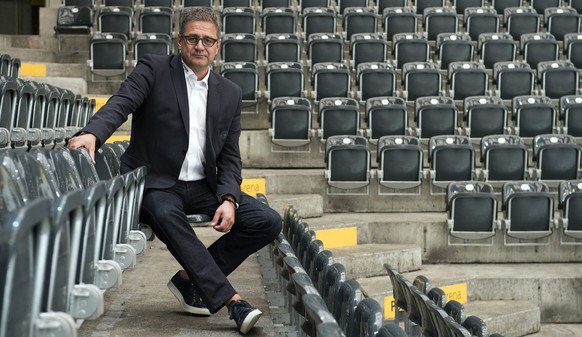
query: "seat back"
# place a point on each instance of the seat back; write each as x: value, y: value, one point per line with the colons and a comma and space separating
x: 504, y: 158
x: 347, y: 162
x: 484, y: 116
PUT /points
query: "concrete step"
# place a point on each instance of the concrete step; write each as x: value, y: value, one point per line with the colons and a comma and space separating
x: 311, y: 205
x: 75, y: 84
x: 559, y: 330
x: 47, y: 55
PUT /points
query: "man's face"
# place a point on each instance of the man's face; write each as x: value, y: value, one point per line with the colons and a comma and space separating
x: 193, y: 44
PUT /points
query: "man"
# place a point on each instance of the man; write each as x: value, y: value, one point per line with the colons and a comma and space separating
x: 185, y: 130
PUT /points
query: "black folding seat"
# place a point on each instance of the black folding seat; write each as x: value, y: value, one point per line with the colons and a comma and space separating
x: 375, y: 79
x: 5, y: 60
x: 8, y: 104
x: 501, y: 5
x: 224, y: 4
x: 570, y: 222
x: 114, y: 19
x: 290, y: 121
x: 400, y: 163
x: 467, y: 79
x: 15, y: 65
x: 22, y: 133
x: 577, y: 5
x: 471, y: 213
x: 330, y: 79
x: 239, y: 20
x: 435, y: 115
x: 541, y: 5
x: 453, y: 47
x: 88, y: 3
x: 381, y: 5
x: 438, y: 20
x: 74, y: 20
x: 503, y: 158
x: 125, y: 3
x: 196, y: 3
x: 557, y: 158
x: 237, y: 47
x: 158, y: 3
x: 496, y: 47
x: 484, y: 115
x: 346, y: 300
x: 451, y: 159
x: 573, y: 48
x: 420, y: 79
x: 367, y: 47
x: 538, y: 47
x: 319, y: 20
x: 409, y: 47
x: 343, y: 4
x: 533, y: 115
x: 513, y: 79
x: 303, y: 4
x: 151, y: 43
x: 561, y: 21
x: 275, y: 3
x: 156, y: 20
x: 319, y: 321
x: 358, y: 20
x: 108, y: 54
x: 528, y: 213
x: 461, y: 5
x: 324, y: 47
x: 278, y: 20
x: 38, y: 116
x: 480, y: 20
x: 338, y: 116
x: 522, y: 20
x: 284, y: 79
x: 246, y: 75
x: 282, y: 48
x: 571, y: 114
x: 399, y: 20
x: 49, y: 129
x: 558, y: 78
x: 385, y: 116
x: 347, y: 160
x: 421, y: 5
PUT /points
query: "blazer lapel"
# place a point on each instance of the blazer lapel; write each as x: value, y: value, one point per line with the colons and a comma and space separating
x: 179, y: 81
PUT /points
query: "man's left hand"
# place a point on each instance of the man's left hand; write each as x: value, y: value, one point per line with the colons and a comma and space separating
x: 224, y: 217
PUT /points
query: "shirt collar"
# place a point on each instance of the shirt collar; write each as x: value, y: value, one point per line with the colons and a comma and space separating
x: 189, y: 72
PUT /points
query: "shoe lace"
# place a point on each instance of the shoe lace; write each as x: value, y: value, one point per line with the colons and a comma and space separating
x: 238, y: 309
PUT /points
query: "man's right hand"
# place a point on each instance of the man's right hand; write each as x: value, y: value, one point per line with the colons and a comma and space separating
x: 84, y: 140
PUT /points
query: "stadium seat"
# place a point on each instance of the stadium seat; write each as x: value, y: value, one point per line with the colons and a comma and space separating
x: 467, y: 79
x: 113, y: 19
x: 409, y: 47
x: 274, y: 3
x: 421, y: 5
x: 347, y: 160
x: 22, y: 133
x: 238, y: 20
x: 237, y: 47
x: 303, y: 287
x: 324, y: 47
x: 156, y: 20
x: 385, y: 116
x: 501, y: 5
x: 246, y: 75
x: 319, y: 318
x: 420, y: 79
x: 321, y: 263
x: 399, y: 20
x: 456, y: 311
x: 48, y: 129
x: 561, y: 21
x: 343, y: 4
x: 439, y: 20
x: 330, y: 79
x: 391, y: 330
x: 126, y: 3
x: 224, y: 4
x: 513, y: 79
x: 5, y: 65
x: 437, y: 296
x: 367, y: 318
x: 451, y: 159
x: 347, y: 298
x: 541, y: 5
x: 558, y: 78
x: 480, y: 20
x: 38, y: 116
x: 367, y: 47
x: 471, y: 213
x: 282, y: 48
x: 338, y: 116
x: 108, y: 55
x: 503, y: 158
x: 453, y: 47
x: 400, y: 163
x: 570, y: 193
x: 476, y: 326
x: 572, y: 48
x: 66, y: 102
x: 496, y: 47
x: 290, y: 121
x: 381, y: 5
x: 303, y: 4
x: 8, y: 104
x: 357, y: 20
x: 557, y: 158
x: 570, y: 113
x: 284, y: 79
x: 400, y: 300
x: 375, y: 79
x: 533, y: 115
x: 522, y: 20
x: 539, y: 47
x: 528, y: 213
x: 313, y: 249
x: 461, y: 5
x: 151, y: 43
x: 158, y: 3
x: 319, y: 20
x: 74, y: 20
x: 278, y: 20
x: 435, y: 115
x: 577, y: 5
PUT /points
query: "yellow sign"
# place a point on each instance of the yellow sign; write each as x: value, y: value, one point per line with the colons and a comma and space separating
x: 33, y: 69
x: 338, y: 237
x: 389, y: 307
x: 253, y: 186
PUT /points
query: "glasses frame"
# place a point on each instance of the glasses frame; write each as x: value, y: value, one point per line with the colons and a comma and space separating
x: 194, y: 39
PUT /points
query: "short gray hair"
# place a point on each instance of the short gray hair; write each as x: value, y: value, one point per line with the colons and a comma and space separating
x: 207, y: 14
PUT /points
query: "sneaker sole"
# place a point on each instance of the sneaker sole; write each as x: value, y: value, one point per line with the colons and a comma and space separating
x: 188, y: 308
x: 250, y: 321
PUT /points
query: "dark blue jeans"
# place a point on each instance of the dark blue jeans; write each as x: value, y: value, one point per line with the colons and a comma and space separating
x: 255, y: 226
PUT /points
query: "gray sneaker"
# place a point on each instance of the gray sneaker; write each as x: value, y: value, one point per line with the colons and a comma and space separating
x: 186, y: 293
x: 244, y: 315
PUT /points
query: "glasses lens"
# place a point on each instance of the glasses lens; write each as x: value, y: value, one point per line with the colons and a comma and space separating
x: 194, y: 39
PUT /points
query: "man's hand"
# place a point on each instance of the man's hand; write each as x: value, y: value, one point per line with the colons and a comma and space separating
x: 224, y: 217
x: 85, y: 140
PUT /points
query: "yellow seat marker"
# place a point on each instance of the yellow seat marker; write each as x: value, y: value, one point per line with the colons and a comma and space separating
x: 338, y: 237
x: 33, y: 69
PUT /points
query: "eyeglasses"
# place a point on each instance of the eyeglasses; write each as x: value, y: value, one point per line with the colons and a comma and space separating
x: 194, y: 39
